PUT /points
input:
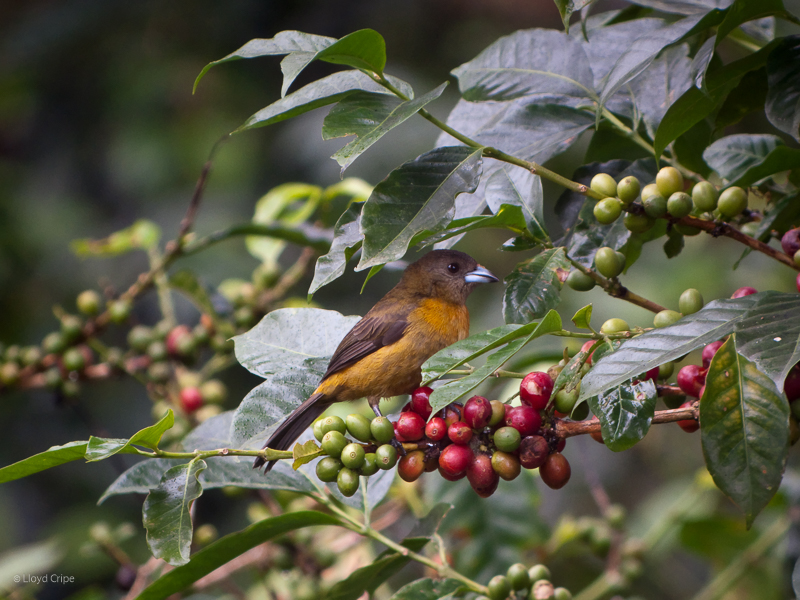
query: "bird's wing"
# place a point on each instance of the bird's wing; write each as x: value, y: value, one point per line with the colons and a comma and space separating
x: 369, y: 334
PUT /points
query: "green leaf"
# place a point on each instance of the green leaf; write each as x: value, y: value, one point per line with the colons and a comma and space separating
x: 783, y: 95
x: 322, y: 92
x: 149, y: 437
x: 290, y: 348
x: 625, y: 413
x: 742, y: 11
x: 506, y: 217
x: 417, y: 196
x: 747, y: 97
x: 428, y: 589
x: 570, y: 376
x: 744, y: 159
x: 302, y: 235
x: 745, y: 430
x: 188, y: 283
x: 767, y: 323
x: 52, y: 457
x: 305, y: 453
x: 588, y: 235
x: 534, y: 286
x: 673, y: 245
x: 346, y: 241
x: 369, y: 116
x: 166, y: 516
x: 526, y: 63
x: 363, y: 49
x: 453, y: 390
x: 518, y: 187
x: 142, y: 235
x: 567, y: 7
x: 229, y: 547
x: 695, y: 105
x: 583, y: 317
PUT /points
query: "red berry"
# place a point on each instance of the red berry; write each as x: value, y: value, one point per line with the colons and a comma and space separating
x: 688, y: 425
x: 533, y: 451
x: 652, y: 375
x: 791, y: 385
x: 397, y: 435
x: 449, y: 477
x: 454, y: 460
x: 451, y: 413
x: 597, y: 437
x: 690, y: 379
x: 410, y: 426
x: 709, y: 351
x: 535, y: 389
x: 173, y: 339
x: 498, y: 413
x: 411, y: 466
x: 459, y: 433
x: 191, y: 399
x: 477, y: 412
x: 420, y: 402
x: 555, y: 471
x: 524, y: 419
x: 436, y: 429
x: 744, y: 291
x: 482, y: 476
x: 585, y: 348
x: 797, y: 281
x: 561, y: 444
x: 790, y: 242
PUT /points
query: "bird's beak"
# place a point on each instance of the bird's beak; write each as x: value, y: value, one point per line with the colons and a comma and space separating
x: 480, y: 275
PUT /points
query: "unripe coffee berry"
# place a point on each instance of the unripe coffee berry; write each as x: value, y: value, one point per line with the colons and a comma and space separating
x: 506, y: 465
x: 498, y: 413
x: 638, y: 223
x: 744, y: 291
x: 604, y: 184
x: 607, y: 262
x: 420, y: 402
x: 524, y: 419
x: 688, y: 425
x: 88, y: 302
x: 535, y: 389
x: 71, y: 327
x: 482, y: 476
x: 561, y: 593
x: 381, y: 429
x: 386, y: 457
x: 120, y: 310
x: 655, y: 206
x: 690, y: 302
x: 518, y: 576
x: 454, y: 460
x: 353, y: 456
x: 732, y: 201
x: 73, y: 359
x: 328, y: 469
x: 614, y: 325
x: 704, y: 196
x: 555, y: 472
x: 679, y: 204
x: 359, y: 427
x: 499, y: 588
x: 796, y: 258
x: 370, y: 466
x: 411, y: 466
x: 333, y: 443
x: 459, y: 433
x: 628, y: 189
x: 666, y: 370
x: 669, y: 180
x: 665, y: 318
x: 436, y: 429
x: 333, y: 423
x: 651, y: 189
x: 53, y: 343
x: 507, y: 439
x: 477, y: 412
x: 533, y: 451
x: 347, y: 482
x: 580, y: 281
x: 565, y: 400
x: 607, y: 210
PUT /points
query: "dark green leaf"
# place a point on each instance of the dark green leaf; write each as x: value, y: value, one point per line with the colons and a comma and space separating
x: 534, y: 286
x: 588, y: 235
x: 322, y: 92
x: 625, y: 413
x: 633, y: 247
x: 453, y: 390
x: 783, y: 96
x: 507, y: 217
x: 567, y: 7
x: 745, y: 430
x: 188, y: 283
x: 674, y: 245
x: 570, y: 376
x: 518, y: 187
x: 689, y: 147
x: 369, y: 116
x: 149, y: 437
x: 166, y: 515
x: 742, y: 11
x: 684, y: 7
x: 525, y: 63
x: 428, y: 589
x: 363, y: 49
x: 346, y: 241
x: 229, y: 547
x: 747, y: 97
x: 744, y: 159
x: 583, y: 317
x: 52, y: 457
x: 417, y: 196
x: 701, y: 61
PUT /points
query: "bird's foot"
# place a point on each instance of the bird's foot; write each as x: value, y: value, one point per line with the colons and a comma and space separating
x: 398, y: 446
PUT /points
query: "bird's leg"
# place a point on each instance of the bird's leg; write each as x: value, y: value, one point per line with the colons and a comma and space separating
x: 374, y: 402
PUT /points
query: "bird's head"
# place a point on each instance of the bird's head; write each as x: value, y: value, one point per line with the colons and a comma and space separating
x: 447, y: 274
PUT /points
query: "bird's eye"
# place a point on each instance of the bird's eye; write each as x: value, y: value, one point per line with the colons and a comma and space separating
x: 453, y: 267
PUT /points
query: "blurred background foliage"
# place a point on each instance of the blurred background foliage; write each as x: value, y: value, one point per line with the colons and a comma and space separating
x: 98, y: 128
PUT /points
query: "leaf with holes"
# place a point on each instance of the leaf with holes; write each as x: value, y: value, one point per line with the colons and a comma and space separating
x: 534, y: 286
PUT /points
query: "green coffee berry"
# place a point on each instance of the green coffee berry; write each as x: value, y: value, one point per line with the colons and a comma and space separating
x: 565, y: 401
x: 690, y: 302
x: 615, y: 515
x: 139, y: 337
x: 607, y: 210
x: 71, y: 328
x: 679, y: 204
x: 159, y: 372
x: 580, y: 281
x: 386, y: 456
x: 638, y: 223
x: 628, y: 189
x: 614, y: 325
x: 30, y: 355
x: 655, y: 206
x: 317, y: 429
x: 669, y: 180
x: 53, y: 343
x: 370, y: 466
x: 333, y: 443
x: 665, y: 318
x: 157, y: 351
x: 518, y: 577
x: 651, y: 189
x: 666, y: 370
x: 214, y: 391
x: 507, y: 439
x: 732, y: 201
x: 328, y: 469
x: 796, y: 258
x: 353, y: 456
x: 119, y: 310
x: 333, y: 423
x: 684, y: 229
x: 9, y: 373
x: 499, y: 587
x: 704, y: 196
x: 358, y: 426
x: 73, y: 359
x: 347, y: 482
x: 382, y: 430
x: 607, y: 262
x: 604, y: 184
x: 561, y: 593
x: 538, y: 572
x: 88, y: 302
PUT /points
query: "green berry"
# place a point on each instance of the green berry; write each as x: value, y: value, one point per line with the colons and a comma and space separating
x: 518, y: 577
x: 386, y: 457
x: 353, y: 456
x: 139, y: 337
x: 732, y: 201
x: 213, y: 391
x: 628, y: 189
x: 52, y: 378
x: 580, y: 281
x: 157, y: 351
x: 669, y: 180
x: 201, y: 334
x: 499, y: 587
x: 73, y: 359
x: 604, y: 184
x: 614, y: 325
x: 333, y: 423
x: 71, y: 389
x: 119, y: 310
x: 704, y: 196
x: 615, y: 515
x: 333, y: 443
x: 507, y: 439
x: 498, y: 413
x: 666, y: 370
x: 317, y: 429
x: 655, y: 206
x: 538, y: 572
x: 665, y: 318
x: 607, y: 210
x: 9, y: 373
x: 382, y: 430
x: 561, y: 593
x: 607, y: 262
x: 358, y: 426
x: 347, y: 482
x: 796, y: 258
x: 565, y: 401
x: 328, y: 469
x: 186, y: 345
x: 638, y: 223
x: 684, y: 229
x: 690, y: 302
x: 370, y: 466
x: 651, y: 189
x: 159, y: 372
x: 53, y: 343
x: 30, y: 355
x: 679, y: 204
x: 89, y: 302
x: 71, y: 328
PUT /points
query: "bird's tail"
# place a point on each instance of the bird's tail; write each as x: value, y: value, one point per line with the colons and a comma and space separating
x: 295, y: 424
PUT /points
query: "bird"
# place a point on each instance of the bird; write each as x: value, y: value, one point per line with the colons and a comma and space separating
x: 382, y: 355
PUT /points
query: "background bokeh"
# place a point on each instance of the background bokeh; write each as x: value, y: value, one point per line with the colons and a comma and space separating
x: 99, y: 127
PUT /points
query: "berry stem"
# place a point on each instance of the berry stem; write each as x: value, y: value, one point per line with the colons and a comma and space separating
x: 567, y: 429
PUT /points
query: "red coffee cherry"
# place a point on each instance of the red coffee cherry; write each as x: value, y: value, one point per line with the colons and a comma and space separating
x: 585, y: 348
x: 449, y: 477
x: 420, y: 402
x: 436, y: 429
x: 459, y: 433
x: 454, y: 460
x: 744, y: 291
x: 790, y: 242
x: 791, y: 385
x: 191, y: 399
x: 597, y: 437
x: 688, y: 425
x: 451, y: 413
x: 652, y: 375
x: 533, y: 451
x: 477, y: 412
x: 690, y: 379
x: 709, y: 351
x: 555, y: 472
x: 410, y: 426
x: 535, y: 389
x: 482, y: 477
x: 524, y: 419
x: 412, y: 465
x: 174, y: 345
x: 506, y: 465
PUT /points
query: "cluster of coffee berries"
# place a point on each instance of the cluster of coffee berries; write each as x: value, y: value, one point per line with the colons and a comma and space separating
x: 524, y: 582
x: 690, y: 301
